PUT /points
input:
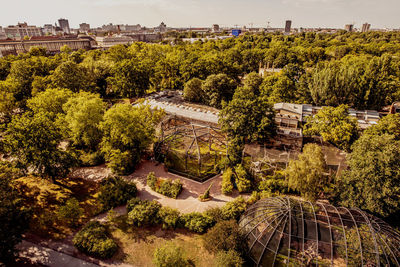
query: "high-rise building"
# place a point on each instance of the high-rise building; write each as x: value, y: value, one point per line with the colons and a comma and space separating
x: 288, y: 26
x: 349, y: 27
x: 64, y: 25
x: 215, y: 28
x: 365, y: 27
x: 84, y: 27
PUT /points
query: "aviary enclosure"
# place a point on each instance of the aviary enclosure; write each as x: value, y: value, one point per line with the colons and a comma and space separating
x: 190, y: 149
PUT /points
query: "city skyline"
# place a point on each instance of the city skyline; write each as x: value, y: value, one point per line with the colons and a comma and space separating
x: 195, y: 13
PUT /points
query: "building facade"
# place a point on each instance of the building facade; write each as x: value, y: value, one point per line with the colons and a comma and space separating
x: 84, y: 27
x: 365, y: 27
x: 64, y: 25
x: 288, y: 26
x: 21, y: 30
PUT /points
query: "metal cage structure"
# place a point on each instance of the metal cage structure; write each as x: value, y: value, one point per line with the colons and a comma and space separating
x: 189, y: 148
x: 283, y: 231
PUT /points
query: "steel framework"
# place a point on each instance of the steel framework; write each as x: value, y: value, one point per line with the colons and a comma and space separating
x: 192, y: 138
x: 294, y: 232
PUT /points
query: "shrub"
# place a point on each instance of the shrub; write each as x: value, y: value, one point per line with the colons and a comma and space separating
x: 169, y: 217
x: 169, y: 255
x: 242, y: 180
x: 273, y: 185
x: 70, y: 212
x: 215, y: 214
x: 93, y: 240
x: 227, y: 186
x: 132, y: 203
x: 122, y: 163
x: 206, y: 196
x: 115, y: 191
x: 151, y: 180
x: 165, y: 187
x: 234, y: 209
x: 91, y: 159
x: 144, y: 213
x: 196, y: 222
x: 228, y: 259
x: 225, y: 235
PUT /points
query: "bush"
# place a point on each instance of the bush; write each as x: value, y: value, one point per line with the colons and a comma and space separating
x: 227, y: 186
x: 196, y: 222
x: 144, y: 213
x: 169, y: 217
x: 122, y: 163
x: 234, y: 209
x: 165, y: 187
x: 228, y: 259
x: 70, y: 212
x: 242, y: 180
x: 215, y: 214
x: 115, y: 191
x: 225, y: 235
x: 169, y: 255
x: 132, y: 203
x: 93, y: 240
x: 91, y: 159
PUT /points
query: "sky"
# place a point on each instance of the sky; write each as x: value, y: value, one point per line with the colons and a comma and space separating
x: 204, y: 13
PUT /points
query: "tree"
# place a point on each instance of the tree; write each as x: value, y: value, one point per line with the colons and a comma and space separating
x: 70, y: 75
x: 115, y: 191
x: 50, y: 101
x: 83, y: 115
x: 70, y: 213
x: 334, y: 125
x: 193, y: 91
x: 7, y: 101
x: 389, y: 124
x: 373, y: 179
x: 218, y: 88
x: 14, y: 217
x: 130, y: 78
x: 225, y: 235
x: 169, y: 255
x: 33, y: 141
x: 246, y: 117
x: 307, y: 174
x: 127, y: 133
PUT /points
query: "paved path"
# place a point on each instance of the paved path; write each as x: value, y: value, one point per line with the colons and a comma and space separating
x: 38, y: 254
x: 48, y: 257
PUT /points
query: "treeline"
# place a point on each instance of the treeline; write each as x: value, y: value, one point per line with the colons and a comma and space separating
x: 358, y: 69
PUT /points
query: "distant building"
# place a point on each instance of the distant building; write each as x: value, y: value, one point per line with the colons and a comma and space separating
x: 84, y: 27
x: 288, y: 26
x: 21, y: 30
x: 64, y: 25
x: 131, y: 28
x: 52, y: 44
x: 2, y: 34
x: 108, y: 41
x: 349, y: 27
x: 215, y: 28
x: 365, y: 27
x: 161, y: 28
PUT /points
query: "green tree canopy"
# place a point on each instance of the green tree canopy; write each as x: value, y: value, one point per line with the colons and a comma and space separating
x: 83, y: 115
x: 33, y: 141
x: 308, y: 174
x: 193, y: 91
x: 50, y: 101
x: 334, y: 125
x: 218, y: 88
x: 71, y: 76
x: 127, y: 132
x: 373, y: 179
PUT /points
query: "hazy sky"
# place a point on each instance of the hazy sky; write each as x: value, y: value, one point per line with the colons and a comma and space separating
x: 175, y: 13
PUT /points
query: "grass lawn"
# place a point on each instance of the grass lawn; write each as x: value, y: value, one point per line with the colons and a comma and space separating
x: 137, y: 245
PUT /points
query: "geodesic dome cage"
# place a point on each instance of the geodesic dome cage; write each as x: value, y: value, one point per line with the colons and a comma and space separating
x: 286, y: 231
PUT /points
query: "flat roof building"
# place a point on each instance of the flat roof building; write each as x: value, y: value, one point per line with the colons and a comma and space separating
x: 64, y: 25
x: 288, y: 26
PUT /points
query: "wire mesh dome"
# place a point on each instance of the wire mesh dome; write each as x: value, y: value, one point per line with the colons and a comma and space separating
x: 286, y: 231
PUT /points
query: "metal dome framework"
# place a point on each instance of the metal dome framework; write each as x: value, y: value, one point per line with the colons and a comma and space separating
x: 286, y: 231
